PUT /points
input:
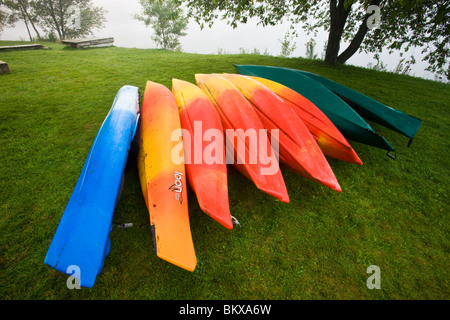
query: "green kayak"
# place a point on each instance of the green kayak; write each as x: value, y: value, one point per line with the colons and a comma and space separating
x: 371, y: 109
x: 350, y: 123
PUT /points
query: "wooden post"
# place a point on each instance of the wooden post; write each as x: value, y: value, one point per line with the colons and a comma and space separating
x: 4, y: 68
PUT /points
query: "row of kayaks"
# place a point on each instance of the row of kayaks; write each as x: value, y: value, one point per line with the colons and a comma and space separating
x: 256, y: 120
x: 349, y: 110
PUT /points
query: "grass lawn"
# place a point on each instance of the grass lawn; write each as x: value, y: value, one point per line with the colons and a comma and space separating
x: 391, y: 213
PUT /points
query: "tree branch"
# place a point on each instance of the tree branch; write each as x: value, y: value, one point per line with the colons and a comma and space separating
x: 338, y: 19
x: 357, y: 39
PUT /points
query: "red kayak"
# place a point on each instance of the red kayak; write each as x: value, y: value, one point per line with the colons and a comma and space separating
x: 299, y: 150
x: 328, y: 137
x: 240, y: 120
x: 206, y: 168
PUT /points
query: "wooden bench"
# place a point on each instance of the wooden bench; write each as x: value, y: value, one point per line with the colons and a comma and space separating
x: 22, y: 47
x: 89, y: 43
x: 4, y: 68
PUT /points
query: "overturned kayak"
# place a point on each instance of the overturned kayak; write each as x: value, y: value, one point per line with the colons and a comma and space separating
x: 82, y: 237
x: 371, y: 109
x: 349, y: 123
x: 244, y: 131
x: 206, y: 166
x: 163, y: 178
x: 328, y: 137
x: 299, y: 150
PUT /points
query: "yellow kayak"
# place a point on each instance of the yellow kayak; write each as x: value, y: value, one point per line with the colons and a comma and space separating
x: 163, y: 177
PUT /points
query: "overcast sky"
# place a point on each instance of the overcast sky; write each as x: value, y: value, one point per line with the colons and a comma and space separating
x: 128, y: 32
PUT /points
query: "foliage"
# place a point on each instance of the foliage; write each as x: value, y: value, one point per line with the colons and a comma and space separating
x: 22, y: 10
x: 404, y: 23
x: 3, y: 19
x: 69, y: 18
x: 404, y: 66
x: 167, y: 20
x: 310, y: 45
x: 288, y: 44
x: 422, y: 23
x: 379, y: 66
x: 66, y: 18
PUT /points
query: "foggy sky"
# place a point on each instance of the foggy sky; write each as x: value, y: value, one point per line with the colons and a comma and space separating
x: 128, y: 32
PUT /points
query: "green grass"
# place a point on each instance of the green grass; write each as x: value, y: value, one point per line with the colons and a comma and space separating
x: 391, y: 213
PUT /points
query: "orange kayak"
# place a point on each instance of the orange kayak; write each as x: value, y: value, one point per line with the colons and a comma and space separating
x: 206, y: 167
x: 163, y: 178
x: 299, y: 150
x: 244, y: 131
x: 328, y: 137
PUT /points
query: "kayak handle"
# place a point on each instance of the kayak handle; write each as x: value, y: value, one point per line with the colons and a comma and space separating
x: 236, y: 222
x: 393, y: 157
x: 409, y: 143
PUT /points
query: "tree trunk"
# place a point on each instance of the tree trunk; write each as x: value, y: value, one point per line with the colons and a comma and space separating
x: 338, y: 18
x: 354, y: 45
x: 26, y: 16
x: 28, y: 29
x: 62, y: 24
x: 358, y: 39
x: 54, y: 16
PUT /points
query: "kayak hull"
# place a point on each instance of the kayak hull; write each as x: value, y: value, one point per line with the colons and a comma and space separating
x: 328, y: 137
x: 163, y: 178
x: 206, y: 166
x: 371, y: 109
x: 298, y: 148
x: 241, y: 124
x: 349, y: 123
x: 82, y: 236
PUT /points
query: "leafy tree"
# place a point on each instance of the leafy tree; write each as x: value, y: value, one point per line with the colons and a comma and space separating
x: 22, y: 10
x: 379, y: 66
x: 287, y: 45
x: 3, y: 19
x: 403, y: 23
x: 310, y: 45
x: 167, y: 20
x: 404, y: 67
x: 69, y: 18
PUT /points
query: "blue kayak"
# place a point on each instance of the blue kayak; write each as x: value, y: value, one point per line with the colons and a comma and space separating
x: 81, y: 241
